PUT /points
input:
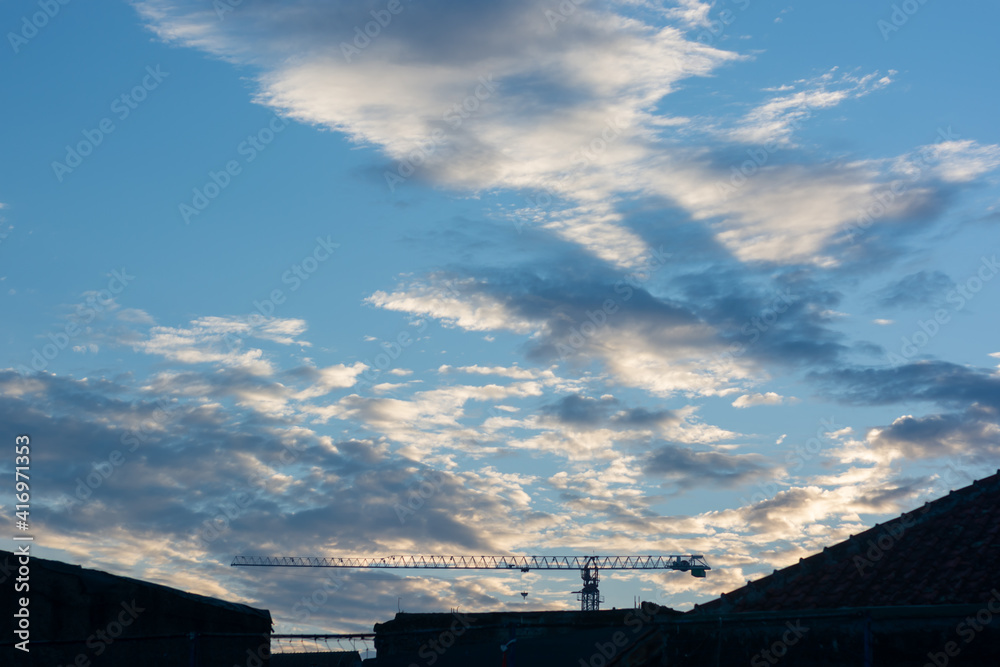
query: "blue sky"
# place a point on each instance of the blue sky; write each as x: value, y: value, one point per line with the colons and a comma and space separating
x: 629, y: 277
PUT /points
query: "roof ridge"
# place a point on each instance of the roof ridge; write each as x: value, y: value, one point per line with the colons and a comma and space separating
x: 864, y: 550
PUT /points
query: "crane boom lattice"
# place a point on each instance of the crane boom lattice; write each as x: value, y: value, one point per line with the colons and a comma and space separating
x: 588, y: 566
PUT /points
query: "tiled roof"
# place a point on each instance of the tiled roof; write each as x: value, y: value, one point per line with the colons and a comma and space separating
x: 946, y: 552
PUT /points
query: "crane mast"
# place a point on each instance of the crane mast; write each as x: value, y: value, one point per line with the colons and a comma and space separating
x: 588, y: 566
x: 590, y: 598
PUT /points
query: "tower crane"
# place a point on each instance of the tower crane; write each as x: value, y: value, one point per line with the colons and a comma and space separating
x: 588, y: 566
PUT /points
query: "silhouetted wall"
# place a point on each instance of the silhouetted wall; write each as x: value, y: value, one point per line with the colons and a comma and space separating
x: 543, y: 638
x: 85, y: 617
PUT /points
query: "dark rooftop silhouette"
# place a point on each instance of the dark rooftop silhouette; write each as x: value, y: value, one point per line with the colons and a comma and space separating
x: 946, y: 552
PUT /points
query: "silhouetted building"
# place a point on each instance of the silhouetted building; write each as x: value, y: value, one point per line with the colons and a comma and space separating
x: 84, y: 617
x: 531, y: 638
x: 921, y: 589
x: 317, y: 659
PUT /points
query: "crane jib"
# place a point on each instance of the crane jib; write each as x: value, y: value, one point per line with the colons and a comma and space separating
x: 672, y: 562
x: 588, y: 566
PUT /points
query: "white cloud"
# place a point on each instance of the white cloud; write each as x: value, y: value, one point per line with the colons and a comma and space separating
x: 573, y: 114
x: 775, y: 121
x: 669, y: 360
x: 779, y: 213
x: 135, y: 316
x: 689, y: 429
x: 325, y: 380
x: 677, y: 355
x: 184, y: 347
x: 956, y: 161
x: 426, y: 420
x: 386, y: 387
x: 400, y: 93
x: 513, y: 372
x: 586, y: 131
x: 218, y: 340
x: 474, y: 311
x: 750, y: 400
x: 692, y: 12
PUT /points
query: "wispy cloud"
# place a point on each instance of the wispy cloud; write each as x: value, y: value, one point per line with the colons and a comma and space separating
x: 774, y: 121
x: 750, y: 400
x: 220, y: 340
x: 643, y: 250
